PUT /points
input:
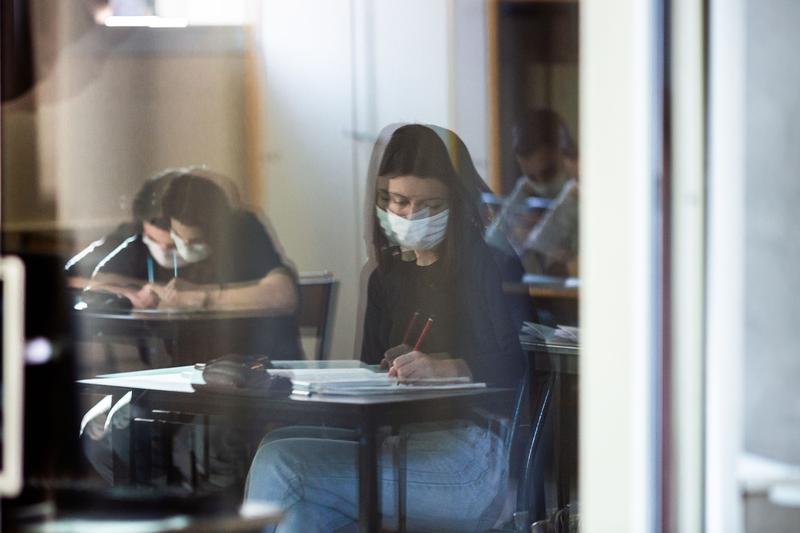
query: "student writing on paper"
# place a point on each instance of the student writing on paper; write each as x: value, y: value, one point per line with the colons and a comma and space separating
x: 430, y: 258
x: 209, y: 253
x: 221, y: 257
x: 143, y: 251
x: 228, y: 260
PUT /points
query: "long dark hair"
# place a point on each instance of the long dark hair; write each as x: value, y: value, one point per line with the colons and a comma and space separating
x: 419, y: 151
x: 147, y: 205
x: 199, y: 202
x: 542, y: 128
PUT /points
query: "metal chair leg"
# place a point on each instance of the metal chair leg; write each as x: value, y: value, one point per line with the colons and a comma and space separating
x: 399, y: 457
x: 523, y: 494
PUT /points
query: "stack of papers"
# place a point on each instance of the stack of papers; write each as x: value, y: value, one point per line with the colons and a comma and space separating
x: 532, y: 332
x: 365, y: 382
x: 292, y: 364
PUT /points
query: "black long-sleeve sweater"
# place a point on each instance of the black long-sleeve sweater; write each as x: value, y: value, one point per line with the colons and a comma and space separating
x: 473, y: 319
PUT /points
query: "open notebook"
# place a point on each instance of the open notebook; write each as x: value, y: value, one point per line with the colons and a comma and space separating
x: 364, y: 381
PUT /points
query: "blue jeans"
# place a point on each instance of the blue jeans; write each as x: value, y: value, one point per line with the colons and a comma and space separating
x: 455, y: 475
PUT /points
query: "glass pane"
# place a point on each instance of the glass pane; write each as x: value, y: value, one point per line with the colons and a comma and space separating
x: 283, y: 254
x: 770, y: 419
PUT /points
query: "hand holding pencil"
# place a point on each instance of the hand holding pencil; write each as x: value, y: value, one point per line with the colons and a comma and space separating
x: 417, y: 365
x: 396, y: 351
x: 393, y: 353
x: 414, y: 365
x: 405, y: 361
x: 409, y: 363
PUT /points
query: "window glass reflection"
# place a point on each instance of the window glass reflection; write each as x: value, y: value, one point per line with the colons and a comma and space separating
x: 268, y: 274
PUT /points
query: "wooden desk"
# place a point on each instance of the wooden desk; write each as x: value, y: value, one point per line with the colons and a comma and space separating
x: 553, y: 292
x: 545, y: 286
x: 164, y: 390
x: 556, y: 297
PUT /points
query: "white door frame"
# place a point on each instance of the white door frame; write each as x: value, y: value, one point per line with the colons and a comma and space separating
x: 725, y: 289
x: 619, y: 143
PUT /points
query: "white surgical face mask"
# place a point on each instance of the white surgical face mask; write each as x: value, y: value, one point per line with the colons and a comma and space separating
x: 422, y: 232
x: 165, y: 258
x: 191, y: 253
x: 383, y: 220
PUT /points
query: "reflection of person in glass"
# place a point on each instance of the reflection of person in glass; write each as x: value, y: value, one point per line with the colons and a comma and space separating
x: 456, y: 471
x: 223, y: 257
x: 211, y: 255
x: 545, y: 151
x: 547, y: 156
x: 202, y: 251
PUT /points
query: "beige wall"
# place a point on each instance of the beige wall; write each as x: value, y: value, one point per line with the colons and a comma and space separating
x: 117, y: 106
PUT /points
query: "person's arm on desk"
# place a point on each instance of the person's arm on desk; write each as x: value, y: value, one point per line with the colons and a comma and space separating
x: 405, y: 362
x: 78, y: 282
x: 80, y: 268
x: 142, y: 297
x: 275, y: 292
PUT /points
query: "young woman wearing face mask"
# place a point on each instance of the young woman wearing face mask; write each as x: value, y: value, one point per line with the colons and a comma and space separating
x: 429, y: 259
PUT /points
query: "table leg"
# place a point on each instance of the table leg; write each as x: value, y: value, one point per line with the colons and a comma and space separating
x: 193, y: 459
x: 121, y: 470
x: 369, y: 517
x: 142, y: 456
x: 565, y: 436
x: 207, y: 446
x: 167, y: 441
x: 527, y: 509
x: 571, y: 384
x: 400, y: 468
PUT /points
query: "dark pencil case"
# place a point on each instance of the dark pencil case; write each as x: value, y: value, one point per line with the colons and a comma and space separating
x: 245, y: 372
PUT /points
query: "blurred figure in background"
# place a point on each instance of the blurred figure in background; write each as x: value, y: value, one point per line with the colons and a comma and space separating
x: 197, y: 249
x: 224, y: 257
x: 548, y: 159
x: 141, y: 250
